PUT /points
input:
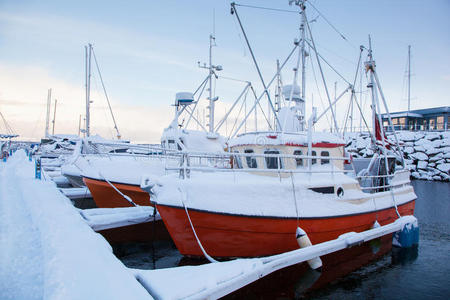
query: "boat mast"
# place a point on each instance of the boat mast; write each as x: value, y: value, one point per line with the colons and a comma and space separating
x: 79, y: 126
x: 88, y: 52
x: 54, y: 117
x: 370, y: 66
x: 212, y: 68
x: 409, y: 78
x: 303, y: 35
x: 47, y: 120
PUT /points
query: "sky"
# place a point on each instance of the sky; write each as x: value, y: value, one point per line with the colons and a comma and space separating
x: 149, y: 50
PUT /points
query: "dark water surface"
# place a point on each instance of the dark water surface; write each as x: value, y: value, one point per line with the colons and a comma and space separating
x: 418, y: 273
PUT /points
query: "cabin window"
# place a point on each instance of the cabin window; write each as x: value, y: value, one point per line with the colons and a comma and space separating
x: 324, y: 160
x: 237, y: 160
x: 313, y: 161
x: 298, y: 161
x: 171, y: 144
x: 273, y: 162
x: 251, y: 160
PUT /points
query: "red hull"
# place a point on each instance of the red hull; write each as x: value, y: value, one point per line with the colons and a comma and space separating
x: 106, y: 196
x: 224, y: 235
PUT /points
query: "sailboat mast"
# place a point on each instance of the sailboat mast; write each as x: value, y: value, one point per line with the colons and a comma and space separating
x: 79, y: 126
x: 409, y: 78
x: 88, y: 50
x: 47, y: 120
x: 54, y: 118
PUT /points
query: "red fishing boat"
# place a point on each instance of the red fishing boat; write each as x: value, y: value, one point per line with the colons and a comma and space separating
x: 287, y: 178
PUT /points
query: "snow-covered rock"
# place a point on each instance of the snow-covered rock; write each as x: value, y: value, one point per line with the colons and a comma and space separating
x: 422, y: 142
x: 444, y: 167
x: 419, y: 156
x: 408, y: 150
x: 419, y: 148
x: 407, y: 136
x: 415, y: 175
x: 436, y: 143
x: 431, y: 136
x: 437, y: 157
x: 422, y: 165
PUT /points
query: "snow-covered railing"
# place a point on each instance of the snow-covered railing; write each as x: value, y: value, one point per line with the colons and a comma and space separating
x: 232, y: 162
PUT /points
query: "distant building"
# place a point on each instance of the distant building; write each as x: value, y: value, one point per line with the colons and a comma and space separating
x: 436, y: 118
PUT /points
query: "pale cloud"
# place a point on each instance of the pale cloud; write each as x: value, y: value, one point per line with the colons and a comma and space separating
x: 23, y: 99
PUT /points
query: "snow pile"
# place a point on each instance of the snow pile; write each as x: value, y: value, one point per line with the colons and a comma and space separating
x: 47, y: 249
x: 426, y: 154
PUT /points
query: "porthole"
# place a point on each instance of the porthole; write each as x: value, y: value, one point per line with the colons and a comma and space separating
x: 340, y: 192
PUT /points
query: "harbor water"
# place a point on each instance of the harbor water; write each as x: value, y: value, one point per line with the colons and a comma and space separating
x: 417, y: 273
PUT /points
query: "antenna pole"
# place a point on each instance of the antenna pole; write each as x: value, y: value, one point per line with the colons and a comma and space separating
x: 211, y: 99
x: 303, y: 34
x: 54, y: 117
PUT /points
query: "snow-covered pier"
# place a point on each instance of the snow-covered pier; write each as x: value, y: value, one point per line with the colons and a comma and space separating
x: 47, y: 250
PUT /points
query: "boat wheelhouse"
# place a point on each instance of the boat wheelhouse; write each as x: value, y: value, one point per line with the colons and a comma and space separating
x: 282, y: 143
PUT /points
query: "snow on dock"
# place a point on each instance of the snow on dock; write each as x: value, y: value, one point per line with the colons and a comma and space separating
x: 215, y: 280
x: 47, y: 249
x: 76, y: 193
x: 107, y: 218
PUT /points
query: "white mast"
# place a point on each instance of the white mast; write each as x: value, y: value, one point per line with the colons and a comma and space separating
x: 303, y: 35
x: 370, y: 65
x: 212, y: 68
x: 47, y: 120
x: 211, y: 100
x: 54, y: 117
x: 409, y: 78
x: 88, y: 50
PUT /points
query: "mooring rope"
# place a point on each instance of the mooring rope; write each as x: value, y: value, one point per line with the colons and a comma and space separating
x: 183, y: 195
x: 295, y: 198
x: 112, y: 185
